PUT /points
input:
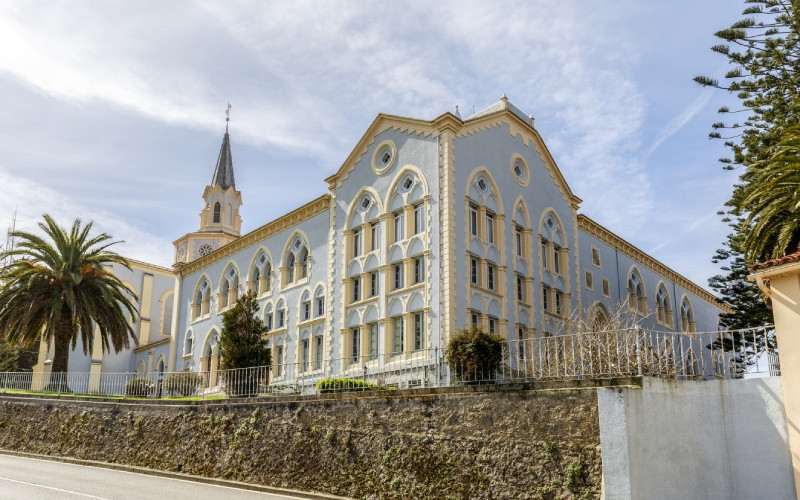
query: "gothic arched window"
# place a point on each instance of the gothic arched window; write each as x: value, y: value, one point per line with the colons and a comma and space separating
x: 217, y: 209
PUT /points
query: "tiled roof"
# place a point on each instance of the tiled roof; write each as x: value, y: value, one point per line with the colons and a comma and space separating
x: 787, y: 259
x: 223, y: 174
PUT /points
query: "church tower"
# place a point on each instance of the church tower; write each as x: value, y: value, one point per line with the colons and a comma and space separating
x: 220, y: 222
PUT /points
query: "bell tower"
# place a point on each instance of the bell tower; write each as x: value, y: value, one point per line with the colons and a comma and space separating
x: 220, y: 222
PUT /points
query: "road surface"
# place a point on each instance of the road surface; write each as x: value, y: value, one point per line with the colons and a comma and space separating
x: 30, y: 478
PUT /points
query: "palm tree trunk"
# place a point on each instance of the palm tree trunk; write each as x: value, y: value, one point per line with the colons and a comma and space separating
x: 61, y: 348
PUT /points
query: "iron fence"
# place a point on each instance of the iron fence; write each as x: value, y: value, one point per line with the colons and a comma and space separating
x: 592, y: 355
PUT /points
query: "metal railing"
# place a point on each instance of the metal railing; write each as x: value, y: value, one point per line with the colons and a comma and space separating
x: 592, y: 355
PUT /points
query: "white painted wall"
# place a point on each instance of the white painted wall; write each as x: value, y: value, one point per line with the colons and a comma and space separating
x: 688, y: 439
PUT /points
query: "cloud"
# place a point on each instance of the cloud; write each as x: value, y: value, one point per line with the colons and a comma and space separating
x: 306, y: 78
x: 30, y: 200
x: 680, y: 120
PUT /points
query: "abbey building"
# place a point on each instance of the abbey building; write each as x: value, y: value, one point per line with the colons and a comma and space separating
x: 427, y: 227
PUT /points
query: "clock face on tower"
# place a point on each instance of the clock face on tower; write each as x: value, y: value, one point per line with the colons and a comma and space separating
x: 205, y: 249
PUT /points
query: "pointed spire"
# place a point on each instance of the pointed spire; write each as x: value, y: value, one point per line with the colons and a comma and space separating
x: 223, y: 173
x: 458, y: 115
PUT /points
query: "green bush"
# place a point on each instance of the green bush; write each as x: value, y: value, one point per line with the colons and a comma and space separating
x: 138, y: 387
x: 182, y: 383
x: 474, y: 355
x: 344, y: 385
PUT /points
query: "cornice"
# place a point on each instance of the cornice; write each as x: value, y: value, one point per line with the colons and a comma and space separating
x: 526, y: 132
x: 606, y: 236
x: 150, y: 267
x: 448, y: 122
x: 152, y: 345
x: 381, y: 123
x: 294, y: 217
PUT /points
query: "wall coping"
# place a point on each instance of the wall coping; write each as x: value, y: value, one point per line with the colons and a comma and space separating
x: 462, y: 390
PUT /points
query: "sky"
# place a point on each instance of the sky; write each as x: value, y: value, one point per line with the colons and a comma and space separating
x: 114, y: 111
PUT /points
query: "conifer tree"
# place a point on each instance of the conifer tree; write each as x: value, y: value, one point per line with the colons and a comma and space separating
x: 734, y: 289
x: 764, y: 50
x: 241, y: 342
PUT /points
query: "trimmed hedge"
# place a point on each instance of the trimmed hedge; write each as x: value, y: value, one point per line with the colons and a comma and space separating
x: 345, y: 385
x: 183, y: 384
x: 138, y: 387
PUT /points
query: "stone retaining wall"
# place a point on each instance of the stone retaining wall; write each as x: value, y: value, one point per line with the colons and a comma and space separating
x: 423, y: 444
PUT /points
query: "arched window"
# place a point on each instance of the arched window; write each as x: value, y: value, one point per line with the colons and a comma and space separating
x: 188, y: 344
x: 217, y: 210
x: 296, y: 261
x: 290, y: 267
x: 305, y: 306
x: 600, y: 319
x: 319, y: 302
x: 201, y: 299
x: 637, y: 301
x: 304, y: 262
x: 269, y: 318
x: 280, y: 315
x: 663, y: 306
x: 228, y: 288
x: 687, y: 316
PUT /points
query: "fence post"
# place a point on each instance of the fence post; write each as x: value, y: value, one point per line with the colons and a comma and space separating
x: 638, y: 332
x: 438, y: 366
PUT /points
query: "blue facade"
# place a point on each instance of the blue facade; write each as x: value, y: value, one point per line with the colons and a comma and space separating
x: 429, y: 226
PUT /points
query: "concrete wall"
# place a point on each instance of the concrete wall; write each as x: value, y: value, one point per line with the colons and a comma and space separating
x: 477, y: 443
x: 686, y: 439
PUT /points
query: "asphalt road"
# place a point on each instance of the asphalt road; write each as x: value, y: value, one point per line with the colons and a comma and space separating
x: 30, y: 478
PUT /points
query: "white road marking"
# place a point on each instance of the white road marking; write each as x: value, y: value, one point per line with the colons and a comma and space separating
x: 52, y: 488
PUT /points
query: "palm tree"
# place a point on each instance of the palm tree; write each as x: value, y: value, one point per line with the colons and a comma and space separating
x: 58, y: 287
x: 770, y: 198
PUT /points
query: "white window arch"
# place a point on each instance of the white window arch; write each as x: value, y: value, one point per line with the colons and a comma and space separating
x: 319, y: 301
x: 687, y: 316
x: 296, y: 260
x: 201, y: 298
x: 260, y: 273
x: 637, y: 300
x: 663, y: 306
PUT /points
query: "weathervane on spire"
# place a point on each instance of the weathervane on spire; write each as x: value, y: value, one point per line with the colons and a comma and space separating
x: 227, y: 116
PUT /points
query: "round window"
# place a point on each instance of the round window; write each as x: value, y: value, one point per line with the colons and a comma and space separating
x: 205, y: 249
x: 407, y: 183
x: 365, y: 203
x: 520, y: 170
x: 482, y: 184
x: 385, y: 156
x: 297, y: 244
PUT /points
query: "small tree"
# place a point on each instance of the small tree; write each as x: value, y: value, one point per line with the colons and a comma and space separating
x: 242, y: 345
x: 9, y: 357
x: 474, y: 355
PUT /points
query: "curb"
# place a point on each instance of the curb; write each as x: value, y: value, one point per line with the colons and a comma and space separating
x: 176, y: 475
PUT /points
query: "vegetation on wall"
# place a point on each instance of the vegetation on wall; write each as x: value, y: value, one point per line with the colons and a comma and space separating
x: 59, y: 286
